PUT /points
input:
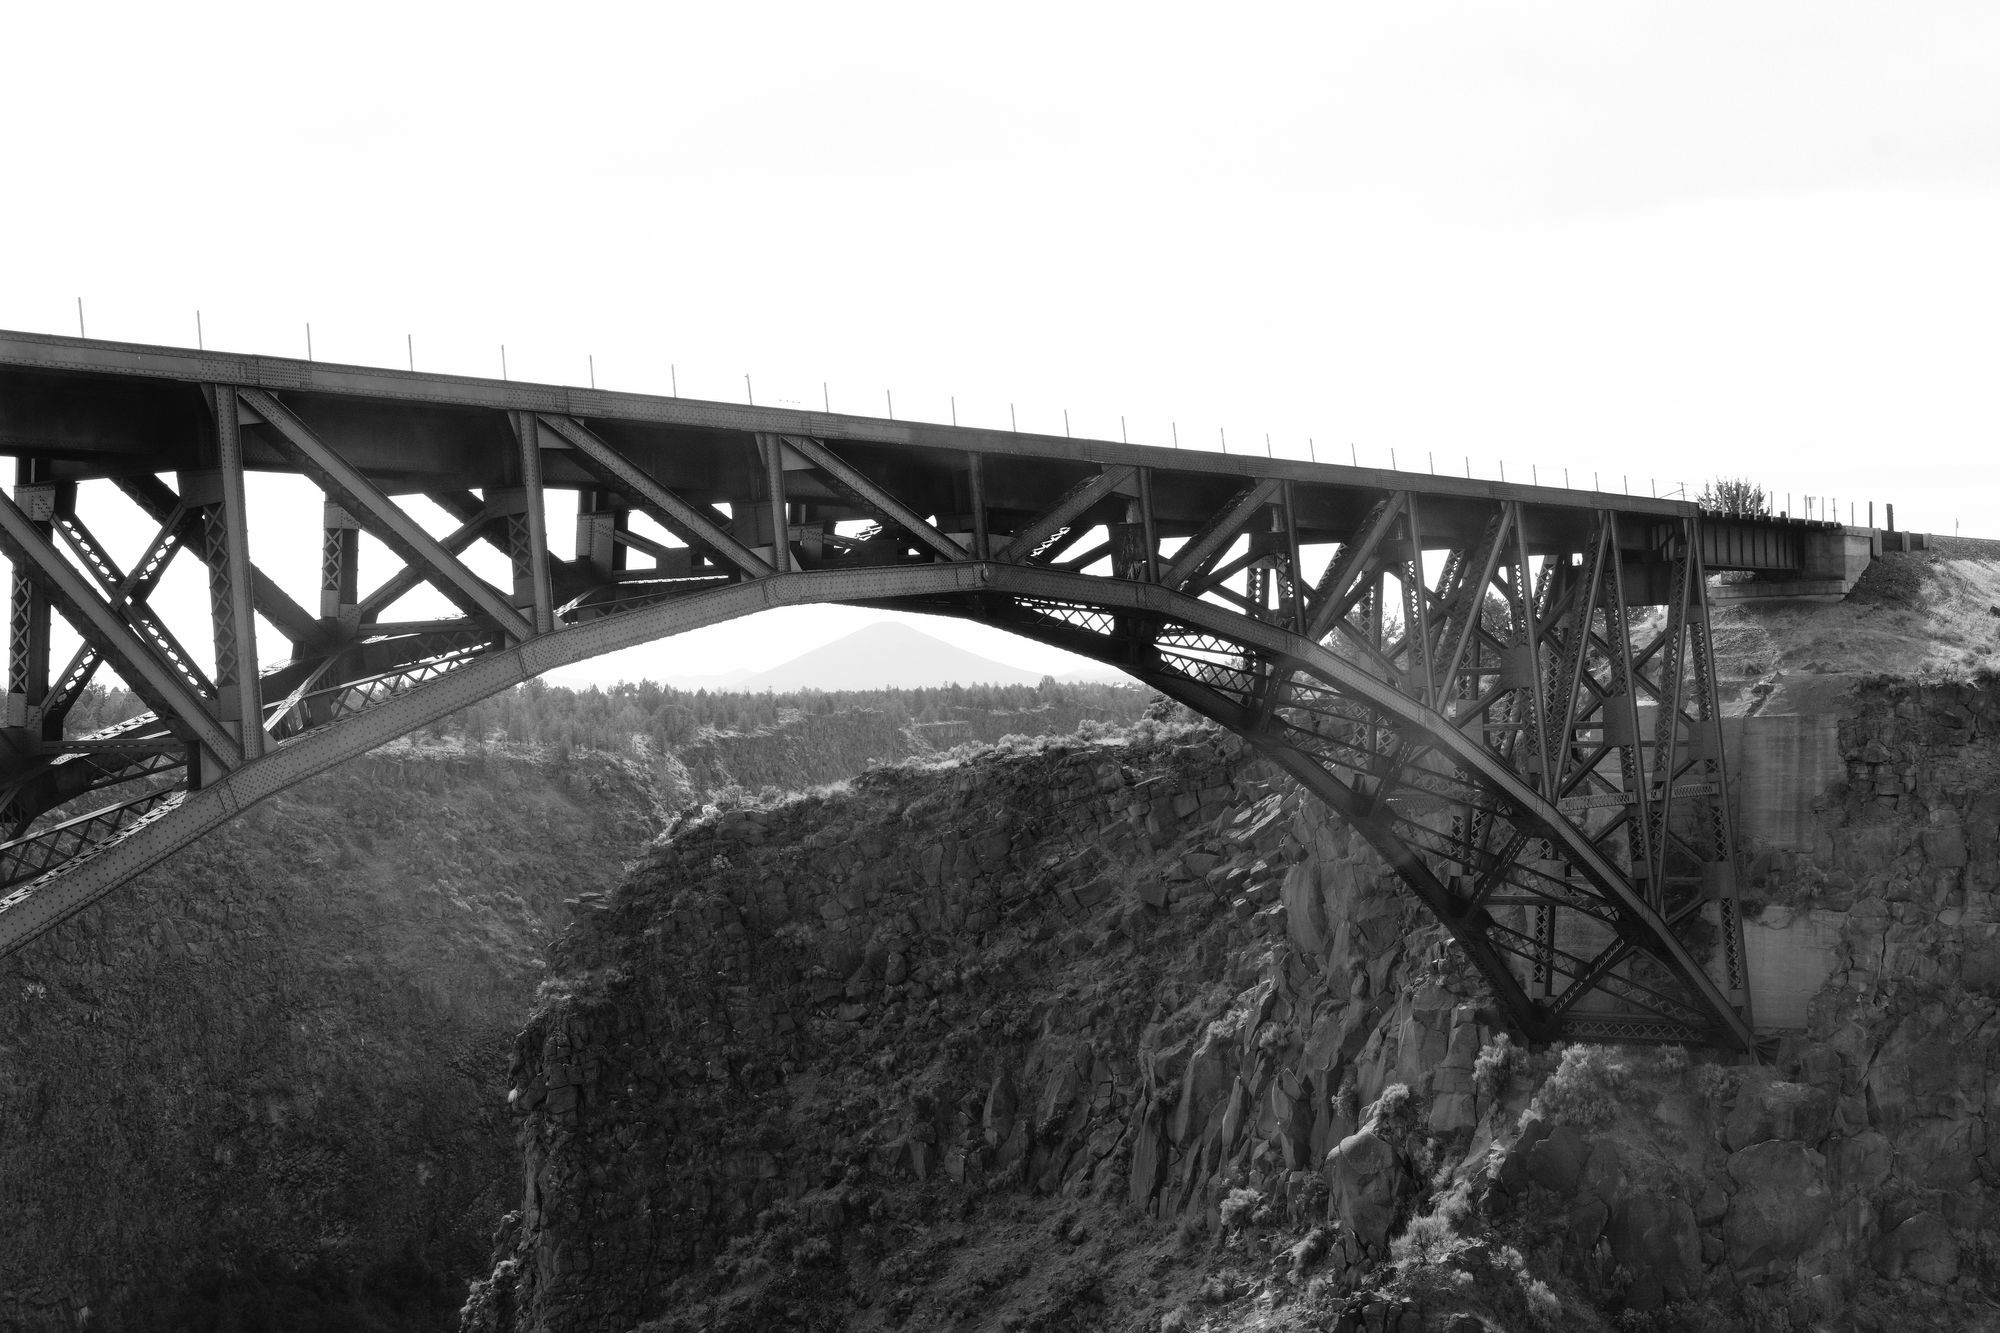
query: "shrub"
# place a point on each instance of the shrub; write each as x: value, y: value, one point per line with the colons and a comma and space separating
x: 1585, y: 1089
x: 1347, y: 1097
x: 1394, y: 1114
x: 1714, y: 1084
x: 1542, y: 1302
x: 1736, y: 497
x: 1427, y: 1242
x: 1237, y: 1209
x: 1494, y: 1069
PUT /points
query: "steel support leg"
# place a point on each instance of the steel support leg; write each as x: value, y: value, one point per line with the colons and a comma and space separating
x: 982, y: 543
x: 236, y: 690
x: 340, y: 568
x: 598, y: 523
x: 528, y: 532
x: 773, y: 450
x: 28, y: 626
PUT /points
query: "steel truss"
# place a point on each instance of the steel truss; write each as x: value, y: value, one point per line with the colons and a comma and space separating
x: 1508, y: 692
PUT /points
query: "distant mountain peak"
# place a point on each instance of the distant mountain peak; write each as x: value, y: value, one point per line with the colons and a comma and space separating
x: 886, y: 655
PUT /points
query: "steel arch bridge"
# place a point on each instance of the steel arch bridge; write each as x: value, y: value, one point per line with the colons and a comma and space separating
x: 1507, y: 690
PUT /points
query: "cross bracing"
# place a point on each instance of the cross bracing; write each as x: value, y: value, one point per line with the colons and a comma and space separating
x: 1506, y: 690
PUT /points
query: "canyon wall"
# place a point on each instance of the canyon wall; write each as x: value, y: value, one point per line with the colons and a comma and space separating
x: 264, y: 1085
x: 1130, y: 1036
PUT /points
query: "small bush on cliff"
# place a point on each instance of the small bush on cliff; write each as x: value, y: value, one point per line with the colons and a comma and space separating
x: 1238, y: 1208
x: 1430, y: 1240
x: 1493, y: 1071
x: 1585, y: 1088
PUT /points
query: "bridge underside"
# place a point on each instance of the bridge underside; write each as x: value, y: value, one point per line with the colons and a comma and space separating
x: 1507, y: 690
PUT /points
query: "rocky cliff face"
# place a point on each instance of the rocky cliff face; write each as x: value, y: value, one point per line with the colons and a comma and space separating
x: 264, y: 1086
x: 1127, y: 1036
x: 805, y: 749
x: 802, y: 1064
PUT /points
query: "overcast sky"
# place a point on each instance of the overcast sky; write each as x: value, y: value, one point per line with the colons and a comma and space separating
x: 1655, y: 242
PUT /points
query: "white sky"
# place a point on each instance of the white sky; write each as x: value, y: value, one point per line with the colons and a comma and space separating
x: 1657, y: 242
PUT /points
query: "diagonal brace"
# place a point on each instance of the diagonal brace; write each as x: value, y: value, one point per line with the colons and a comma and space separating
x: 1219, y: 531
x: 1067, y: 509
x: 383, y: 517
x: 409, y: 576
x: 859, y: 485
x: 163, y: 690
x: 273, y: 603
x: 662, y: 505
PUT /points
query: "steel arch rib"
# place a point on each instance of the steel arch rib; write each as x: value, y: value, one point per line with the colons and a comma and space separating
x: 42, y: 904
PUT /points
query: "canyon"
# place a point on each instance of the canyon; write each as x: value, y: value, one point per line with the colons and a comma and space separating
x: 1110, y: 1030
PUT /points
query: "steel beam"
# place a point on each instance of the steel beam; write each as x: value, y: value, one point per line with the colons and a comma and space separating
x: 235, y: 621
x: 360, y: 497
x: 140, y: 615
x: 1221, y: 529
x: 28, y: 627
x: 532, y: 542
x: 273, y: 603
x: 856, y: 484
x: 340, y: 567
x: 662, y: 505
x: 1067, y: 508
x: 772, y: 449
x: 400, y: 583
x: 159, y: 685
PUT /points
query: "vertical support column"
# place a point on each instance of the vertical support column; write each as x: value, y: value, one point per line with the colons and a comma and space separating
x: 982, y: 546
x: 528, y: 533
x: 1621, y: 724
x: 1416, y: 607
x: 1151, y: 530
x: 340, y: 567
x: 1543, y: 985
x: 28, y: 623
x: 1528, y: 640
x: 598, y: 523
x: 773, y: 450
x: 1294, y: 584
x: 1720, y: 874
x: 236, y: 683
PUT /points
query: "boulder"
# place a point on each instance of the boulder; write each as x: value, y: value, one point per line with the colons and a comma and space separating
x: 1657, y: 1240
x: 1979, y: 967
x: 1778, y: 1110
x: 1369, y: 1179
x: 1305, y: 911
x: 1922, y: 1248
x: 1941, y: 1152
x: 1512, y: 1175
x: 1780, y: 1205
x: 1556, y: 1163
x: 1944, y: 846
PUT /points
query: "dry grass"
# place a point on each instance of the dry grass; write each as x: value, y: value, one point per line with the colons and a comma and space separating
x: 1927, y: 615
